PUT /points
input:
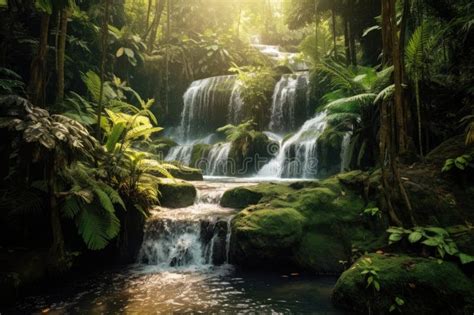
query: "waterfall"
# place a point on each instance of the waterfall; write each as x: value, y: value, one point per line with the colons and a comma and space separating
x: 289, y: 102
x: 346, y: 151
x: 297, y: 156
x: 204, y: 100
x: 235, y: 112
x: 217, y: 159
x: 194, y: 237
x: 180, y: 153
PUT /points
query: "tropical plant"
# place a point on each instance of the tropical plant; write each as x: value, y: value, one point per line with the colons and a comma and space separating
x: 460, y: 163
x: 432, y: 237
x: 257, y: 84
x: 370, y: 272
x: 351, y: 105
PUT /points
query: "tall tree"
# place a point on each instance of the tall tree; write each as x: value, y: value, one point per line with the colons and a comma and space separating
x: 159, y: 8
x: 61, y: 52
x: 393, y: 118
x: 103, y: 47
x: 36, y: 85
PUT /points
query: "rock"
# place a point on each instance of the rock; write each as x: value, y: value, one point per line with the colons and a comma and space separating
x: 425, y: 286
x: 266, y: 236
x: 240, y: 198
x: 199, y: 155
x: 182, y: 172
x: 329, y: 212
x: 162, y: 146
x: 187, y: 173
x: 176, y: 193
x: 249, y: 155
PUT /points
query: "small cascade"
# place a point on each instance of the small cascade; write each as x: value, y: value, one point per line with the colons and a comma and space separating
x: 275, y: 53
x: 203, y: 102
x: 346, y: 151
x: 180, y: 153
x: 217, y: 159
x: 289, y: 102
x: 194, y: 237
x: 235, y: 113
x: 297, y: 156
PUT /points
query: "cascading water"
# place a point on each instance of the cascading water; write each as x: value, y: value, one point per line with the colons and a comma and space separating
x: 297, y: 155
x: 217, y: 159
x: 203, y: 102
x: 194, y: 237
x: 180, y: 153
x: 289, y: 102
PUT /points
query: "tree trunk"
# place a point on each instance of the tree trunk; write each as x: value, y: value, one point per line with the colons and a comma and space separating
x: 400, y: 104
x: 334, y: 34
x: 148, y: 14
x: 38, y: 65
x: 346, y: 41
x: 160, y: 6
x: 105, y: 32
x: 57, y: 253
x: 393, y: 126
x: 61, y: 54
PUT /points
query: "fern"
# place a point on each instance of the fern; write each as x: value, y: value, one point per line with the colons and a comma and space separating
x: 97, y: 228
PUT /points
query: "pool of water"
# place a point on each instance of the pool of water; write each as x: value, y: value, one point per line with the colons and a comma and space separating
x: 148, y: 290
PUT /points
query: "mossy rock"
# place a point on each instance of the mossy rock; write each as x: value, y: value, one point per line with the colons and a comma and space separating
x: 176, y: 193
x: 183, y: 172
x: 265, y: 236
x: 425, y: 285
x: 333, y: 224
x: 187, y: 173
x: 240, y: 198
x: 245, y: 153
x: 199, y: 155
x: 162, y: 146
x: 322, y: 253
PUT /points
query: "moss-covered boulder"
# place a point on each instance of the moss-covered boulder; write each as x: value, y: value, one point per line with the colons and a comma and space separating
x: 266, y: 235
x: 426, y: 286
x: 247, y: 153
x: 242, y: 197
x: 176, y: 193
x: 333, y: 226
x: 186, y: 173
x: 199, y: 155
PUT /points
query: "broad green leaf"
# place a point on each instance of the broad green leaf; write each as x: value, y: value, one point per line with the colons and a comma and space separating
x: 465, y: 258
x: 415, y: 236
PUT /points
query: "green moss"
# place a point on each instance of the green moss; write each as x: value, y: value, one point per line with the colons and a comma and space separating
x: 266, y: 235
x: 200, y: 151
x: 332, y: 225
x: 321, y: 253
x: 187, y: 173
x: 426, y: 286
x: 242, y: 197
x: 176, y: 193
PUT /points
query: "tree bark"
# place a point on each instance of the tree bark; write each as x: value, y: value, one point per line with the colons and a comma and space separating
x: 400, y: 104
x: 36, y: 86
x: 346, y: 41
x: 105, y: 32
x: 160, y: 6
x: 61, y: 54
x: 334, y: 34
